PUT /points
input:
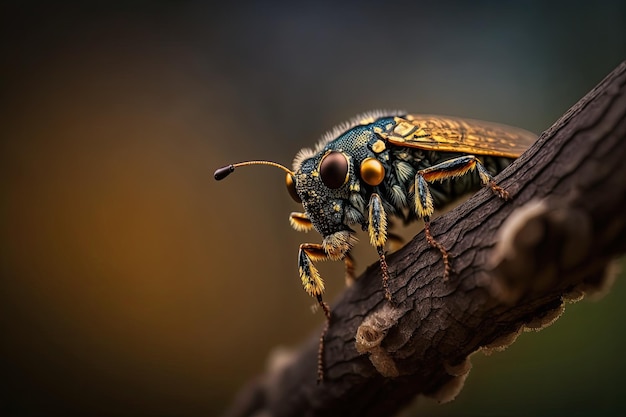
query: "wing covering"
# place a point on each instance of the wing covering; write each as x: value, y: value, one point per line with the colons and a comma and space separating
x: 452, y: 134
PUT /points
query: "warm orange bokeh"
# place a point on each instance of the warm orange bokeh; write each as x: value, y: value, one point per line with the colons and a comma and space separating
x: 134, y: 284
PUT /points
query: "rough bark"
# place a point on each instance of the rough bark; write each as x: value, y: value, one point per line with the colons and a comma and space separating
x: 515, y: 264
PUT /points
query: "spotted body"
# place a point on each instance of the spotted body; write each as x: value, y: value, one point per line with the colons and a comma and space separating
x: 402, y: 149
x: 388, y: 165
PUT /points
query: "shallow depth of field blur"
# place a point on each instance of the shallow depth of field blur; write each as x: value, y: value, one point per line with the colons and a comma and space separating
x: 133, y: 284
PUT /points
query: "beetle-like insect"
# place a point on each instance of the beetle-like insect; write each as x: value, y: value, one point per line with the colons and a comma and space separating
x: 384, y: 164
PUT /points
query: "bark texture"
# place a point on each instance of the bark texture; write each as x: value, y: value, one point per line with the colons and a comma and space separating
x: 514, y: 265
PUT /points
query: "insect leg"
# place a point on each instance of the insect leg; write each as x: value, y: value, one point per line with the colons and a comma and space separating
x: 444, y: 252
x: 311, y: 280
x: 348, y: 260
x: 314, y: 286
x: 300, y: 222
x: 424, y: 206
x: 320, y: 348
x: 378, y: 236
x: 460, y: 166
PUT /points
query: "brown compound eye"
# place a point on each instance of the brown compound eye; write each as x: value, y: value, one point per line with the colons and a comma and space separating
x: 334, y: 169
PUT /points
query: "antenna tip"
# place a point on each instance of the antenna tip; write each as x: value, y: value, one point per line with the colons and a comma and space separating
x: 223, y: 172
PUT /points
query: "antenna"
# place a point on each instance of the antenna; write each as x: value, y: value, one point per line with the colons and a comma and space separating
x: 223, y: 172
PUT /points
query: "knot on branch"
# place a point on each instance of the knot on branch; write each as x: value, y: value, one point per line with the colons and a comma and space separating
x: 538, y: 244
x: 370, y: 335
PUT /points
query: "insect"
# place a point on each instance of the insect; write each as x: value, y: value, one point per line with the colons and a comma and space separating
x: 383, y: 165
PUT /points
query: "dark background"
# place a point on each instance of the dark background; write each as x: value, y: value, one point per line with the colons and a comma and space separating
x: 133, y: 284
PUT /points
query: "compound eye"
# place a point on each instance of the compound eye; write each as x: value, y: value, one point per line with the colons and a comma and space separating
x: 334, y: 169
x: 291, y: 188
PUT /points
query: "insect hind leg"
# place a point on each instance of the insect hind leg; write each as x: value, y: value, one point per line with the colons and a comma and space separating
x: 457, y: 167
x: 452, y: 168
x: 487, y: 180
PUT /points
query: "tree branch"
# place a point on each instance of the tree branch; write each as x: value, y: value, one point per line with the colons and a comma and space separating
x: 515, y: 263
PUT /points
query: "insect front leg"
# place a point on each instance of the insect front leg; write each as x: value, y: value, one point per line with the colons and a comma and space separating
x: 314, y: 286
x: 452, y: 168
x: 311, y: 280
x: 377, y: 227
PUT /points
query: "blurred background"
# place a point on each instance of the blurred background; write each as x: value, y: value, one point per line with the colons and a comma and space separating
x: 133, y: 284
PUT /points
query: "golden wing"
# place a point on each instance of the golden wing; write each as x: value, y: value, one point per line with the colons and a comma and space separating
x: 452, y: 134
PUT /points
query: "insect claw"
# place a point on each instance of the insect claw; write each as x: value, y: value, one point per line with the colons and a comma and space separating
x: 500, y: 192
x: 324, y: 307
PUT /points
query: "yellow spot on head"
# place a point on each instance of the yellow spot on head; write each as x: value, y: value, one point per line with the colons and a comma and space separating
x: 378, y: 146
